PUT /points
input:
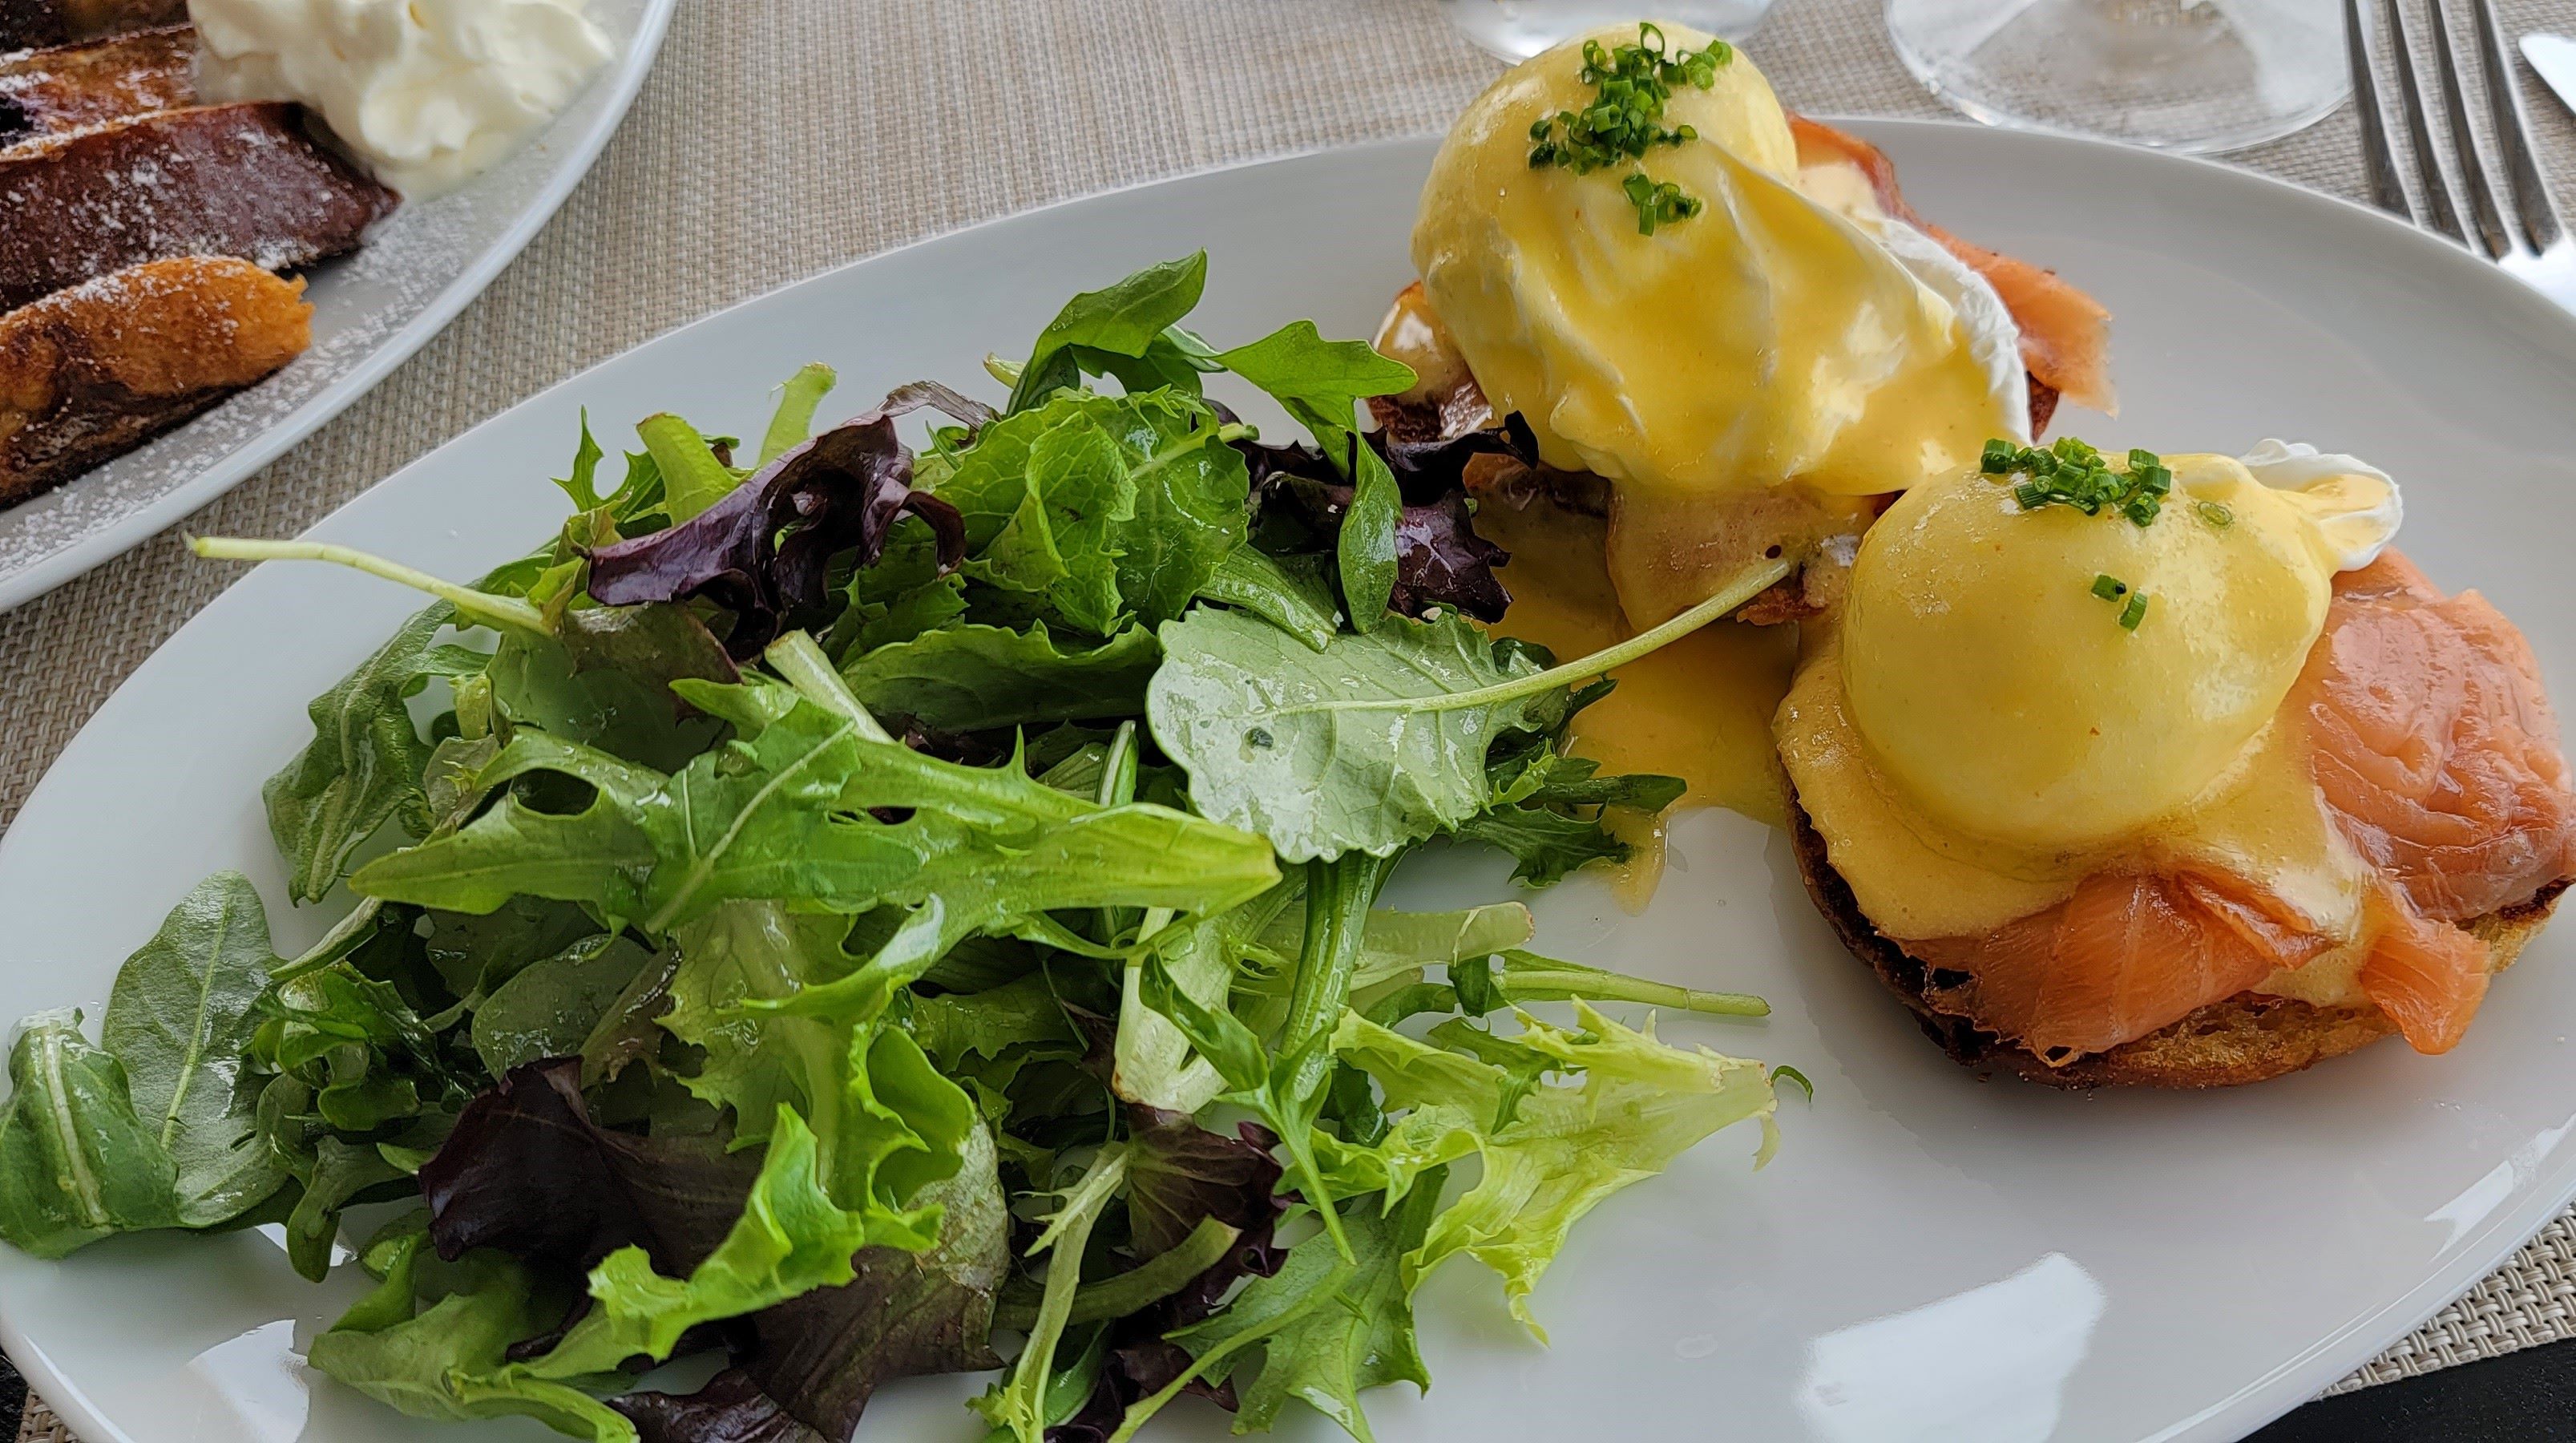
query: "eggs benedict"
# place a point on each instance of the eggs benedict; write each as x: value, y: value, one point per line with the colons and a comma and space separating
x: 1726, y: 319
x: 2167, y: 771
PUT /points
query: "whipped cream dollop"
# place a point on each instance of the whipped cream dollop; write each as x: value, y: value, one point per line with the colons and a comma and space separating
x: 427, y: 92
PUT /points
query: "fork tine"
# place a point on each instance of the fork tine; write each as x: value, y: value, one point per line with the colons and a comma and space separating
x: 2513, y: 136
x: 2436, y: 182
x: 2387, y: 188
x: 2500, y: 239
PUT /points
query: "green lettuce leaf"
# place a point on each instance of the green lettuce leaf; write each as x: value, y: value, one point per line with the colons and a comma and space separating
x: 448, y: 1361
x: 551, y: 1007
x: 1636, y: 1105
x: 1329, y: 1329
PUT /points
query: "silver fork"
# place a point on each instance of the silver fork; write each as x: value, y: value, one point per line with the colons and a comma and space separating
x: 2525, y: 237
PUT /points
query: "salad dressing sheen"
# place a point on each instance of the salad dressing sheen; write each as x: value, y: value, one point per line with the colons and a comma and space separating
x: 1700, y: 709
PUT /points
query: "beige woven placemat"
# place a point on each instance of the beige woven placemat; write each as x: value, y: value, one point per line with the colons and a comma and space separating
x: 781, y: 137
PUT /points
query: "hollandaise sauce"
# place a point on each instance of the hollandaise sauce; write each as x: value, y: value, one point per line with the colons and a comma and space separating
x: 1699, y: 709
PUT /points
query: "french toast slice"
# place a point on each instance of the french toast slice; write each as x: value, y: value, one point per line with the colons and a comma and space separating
x: 56, y: 22
x: 2250, y: 1037
x: 94, y: 371
x: 233, y: 180
x: 71, y: 87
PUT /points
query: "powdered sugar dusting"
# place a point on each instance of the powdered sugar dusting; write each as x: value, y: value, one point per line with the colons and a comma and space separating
x: 363, y: 305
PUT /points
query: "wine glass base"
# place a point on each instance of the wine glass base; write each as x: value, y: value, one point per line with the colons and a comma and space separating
x: 2178, y: 75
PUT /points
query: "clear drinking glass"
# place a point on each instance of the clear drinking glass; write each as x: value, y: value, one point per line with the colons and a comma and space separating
x: 1519, y: 29
x: 2187, y: 75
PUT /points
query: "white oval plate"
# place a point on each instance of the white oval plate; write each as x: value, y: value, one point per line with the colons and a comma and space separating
x: 371, y: 311
x: 1932, y: 1256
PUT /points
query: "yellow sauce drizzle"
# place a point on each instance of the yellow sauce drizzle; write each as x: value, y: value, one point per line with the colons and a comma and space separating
x: 1700, y: 709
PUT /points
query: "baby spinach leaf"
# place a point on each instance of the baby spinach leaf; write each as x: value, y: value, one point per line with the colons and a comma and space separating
x: 1126, y: 320
x: 365, y: 760
x: 549, y: 1008
x: 77, y: 1162
x: 180, y: 1019
x: 1273, y: 742
x: 1366, y: 549
x: 1289, y: 592
x: 1317, y: 381
x: 975, y: 678
x: 1101, y: 506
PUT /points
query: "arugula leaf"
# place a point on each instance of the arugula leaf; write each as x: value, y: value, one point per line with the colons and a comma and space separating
x: 1341, y: 1327
x: 364, y: 763
x: 1319, y: 382
x: 1547, y: 844
x: 1289, y: 592
x: 1019, y: 1402
x: 976, y: 678
x: 550, y: 1008
x: 1379, y: 741
x: 1266, y: 729
x: 77, y: 1162
x: 1638, y: 1104
x: 1127, y: 320
x: 180, y: 1019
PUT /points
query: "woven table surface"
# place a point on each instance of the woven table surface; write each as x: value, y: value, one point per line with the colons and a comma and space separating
x: 778, y: 138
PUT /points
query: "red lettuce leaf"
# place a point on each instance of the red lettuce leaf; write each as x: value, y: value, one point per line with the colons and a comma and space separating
x: 763, y: 552
x: 731, y: 1408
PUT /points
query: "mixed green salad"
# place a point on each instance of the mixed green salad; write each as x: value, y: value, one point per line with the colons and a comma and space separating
x: 892, y: 908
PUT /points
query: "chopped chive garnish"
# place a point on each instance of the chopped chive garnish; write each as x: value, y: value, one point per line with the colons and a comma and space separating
x: 1785, y: 1073
x: 2071, y: 473
x: 2110, y: 588
x: 1632, y: 85
x: 2134, y: 612
x: 2217, y: 515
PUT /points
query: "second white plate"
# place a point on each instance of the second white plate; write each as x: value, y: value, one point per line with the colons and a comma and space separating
x: 371, y: 311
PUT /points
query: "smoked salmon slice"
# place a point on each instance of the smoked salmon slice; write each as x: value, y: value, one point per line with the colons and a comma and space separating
x: 2435, y: 746
x: 2065, y: 334
x: 2129, y: 953
x: 2427, y: 976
